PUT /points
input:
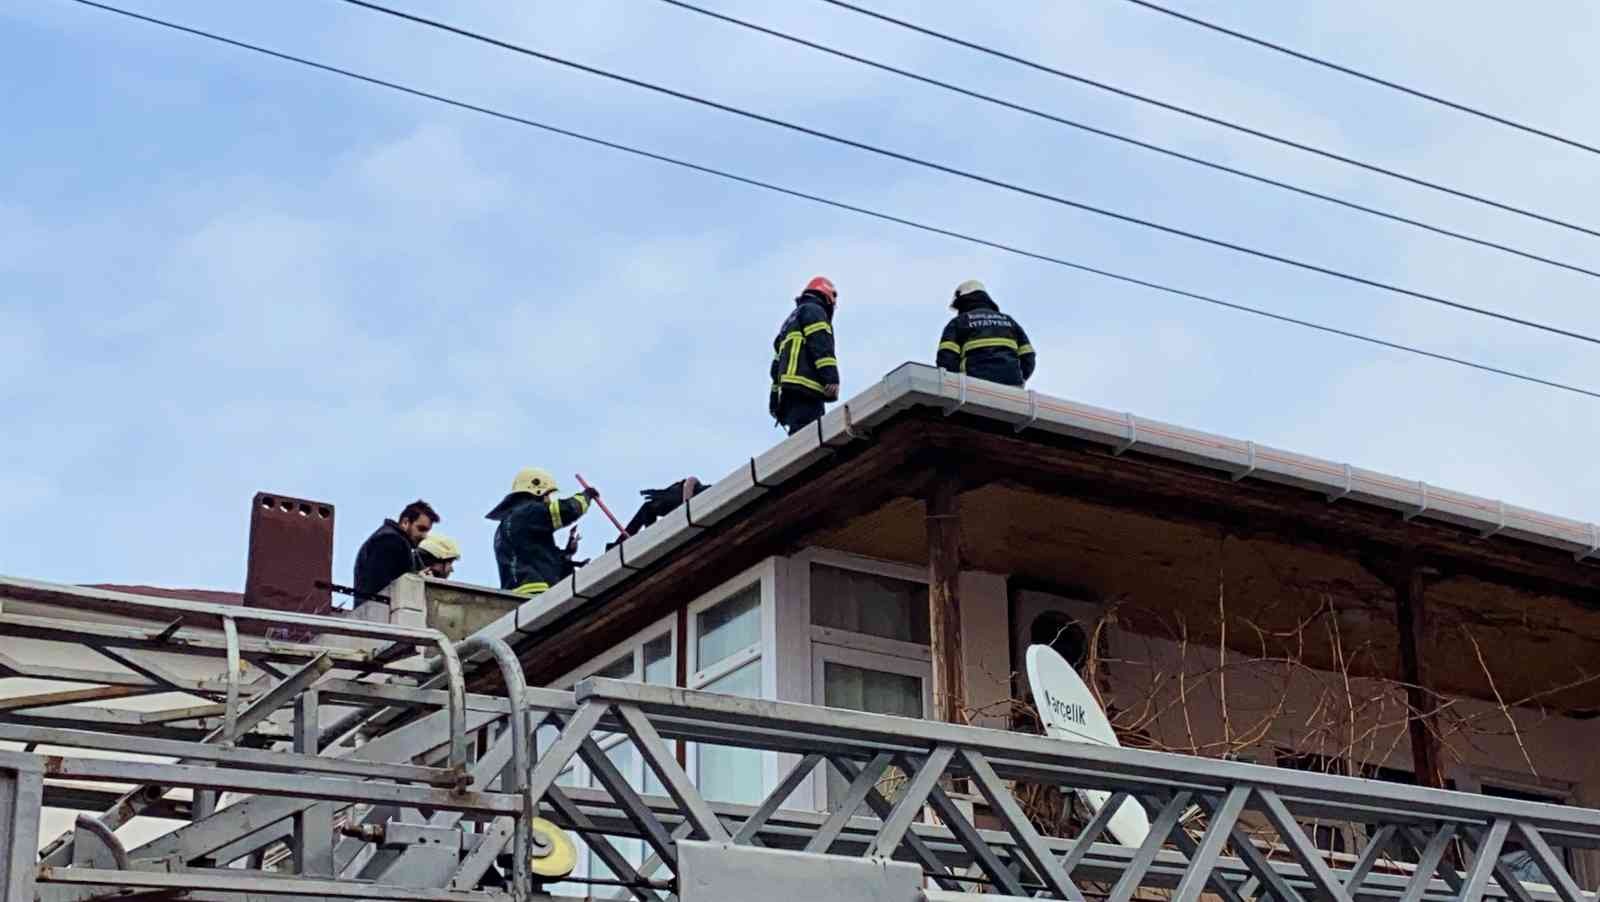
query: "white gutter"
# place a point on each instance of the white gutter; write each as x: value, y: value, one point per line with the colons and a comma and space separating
x: 918, y: 385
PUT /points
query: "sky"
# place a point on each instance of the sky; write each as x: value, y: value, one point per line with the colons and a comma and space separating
x: 223, y: 274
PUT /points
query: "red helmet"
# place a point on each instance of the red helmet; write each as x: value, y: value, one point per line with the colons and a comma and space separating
x: 824, y: 286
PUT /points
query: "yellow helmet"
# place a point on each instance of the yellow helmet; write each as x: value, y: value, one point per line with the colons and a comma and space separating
x: 534, y: 481
x: 440, y: 547
x: 528, y: 481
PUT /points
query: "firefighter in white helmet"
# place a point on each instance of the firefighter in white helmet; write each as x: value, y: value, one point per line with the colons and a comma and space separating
x: 438, y: 555
x: 983, y: 342
x: 524, y: 543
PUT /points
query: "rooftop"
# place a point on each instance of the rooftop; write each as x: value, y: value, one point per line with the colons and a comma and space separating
x: 1095, y: 503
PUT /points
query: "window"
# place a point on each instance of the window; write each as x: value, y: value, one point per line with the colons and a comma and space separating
x: 734, y: 625
x: 726, y: 635
x: 869, y: 648
x: 732, y: 774
x: 650, y: 658
x: 875, y: 683
x: 869, y: 604
x: 860, y: 689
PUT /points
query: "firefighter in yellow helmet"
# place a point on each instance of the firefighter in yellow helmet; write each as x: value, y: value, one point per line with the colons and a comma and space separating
x: 524, y: 543
x: 438, y: 555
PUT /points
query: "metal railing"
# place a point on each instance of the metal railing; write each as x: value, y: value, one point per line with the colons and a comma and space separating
x: 392, y: 782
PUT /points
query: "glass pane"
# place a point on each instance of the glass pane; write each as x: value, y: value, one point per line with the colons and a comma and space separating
x: 870, y: 604
x: 620, y: 669
x: 729, y: 627
x: 659, y: 668
x: 622, y: 756
x: 731, y: 774
x: 873, y: 691
x: 876, y: 692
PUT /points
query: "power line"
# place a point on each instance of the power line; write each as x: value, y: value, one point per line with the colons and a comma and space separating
x: 1367, y: 76
x: 1206, y: 117
x: 836, y: 204
x: 1125, y: 139
x: 969, y: 174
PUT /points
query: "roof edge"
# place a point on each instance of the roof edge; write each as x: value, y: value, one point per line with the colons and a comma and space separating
x: 919, y: 385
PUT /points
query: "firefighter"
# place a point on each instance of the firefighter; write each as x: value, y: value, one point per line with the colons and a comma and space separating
x: 524, y: 543
x: 390, y: 552
x: 805, y: 373
x: 983, y: 342
x: 437, y: 555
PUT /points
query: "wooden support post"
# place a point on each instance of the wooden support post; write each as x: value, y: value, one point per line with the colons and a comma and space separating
x: 1422, y: 722
x: 944, y: 603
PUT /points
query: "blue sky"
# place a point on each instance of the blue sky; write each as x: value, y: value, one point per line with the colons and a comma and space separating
x: 221, y: 274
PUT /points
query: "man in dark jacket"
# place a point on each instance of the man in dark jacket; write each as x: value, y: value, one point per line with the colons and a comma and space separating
x: 524, y: 543
x: 390, y: 552
x: 805, y: 372
x: 983, y: 342
x: 658, y: 503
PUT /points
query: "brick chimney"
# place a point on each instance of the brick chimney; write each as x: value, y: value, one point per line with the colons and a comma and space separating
x: 291, y: 550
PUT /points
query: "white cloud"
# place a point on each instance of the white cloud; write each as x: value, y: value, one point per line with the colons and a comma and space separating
x: 430, y: 173
x: 328, y: 290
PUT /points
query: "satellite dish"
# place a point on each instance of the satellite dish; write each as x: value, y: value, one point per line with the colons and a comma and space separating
x: 1070, y: 713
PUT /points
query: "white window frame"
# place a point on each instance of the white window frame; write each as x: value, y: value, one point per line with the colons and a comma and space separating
x: 847, y: 638
x: 764, y: 649
x: 823, y: 655
x: 817, y: 645
x: 820, y: 638
x: 581, y: 775
x: 761, y: 575
x: 866, y: 660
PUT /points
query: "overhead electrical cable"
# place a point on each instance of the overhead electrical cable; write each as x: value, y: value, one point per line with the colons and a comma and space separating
x: 1367, y: 76
x: 836, y: 204
x: 1125, y: 139
x: 1207, y: 117
x: 968, y: 174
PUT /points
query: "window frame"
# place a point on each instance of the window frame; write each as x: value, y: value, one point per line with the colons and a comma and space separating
x: 831, y: 637
x: 763, y: 653
x: 819, y: 645
x: 698, y: 676
x: 867, y: 660
x: 582, y: 777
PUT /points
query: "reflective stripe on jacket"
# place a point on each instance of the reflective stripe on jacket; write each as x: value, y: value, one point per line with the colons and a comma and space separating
x: 803, y: 358
x: 525, y: 542
x: 985, y: 343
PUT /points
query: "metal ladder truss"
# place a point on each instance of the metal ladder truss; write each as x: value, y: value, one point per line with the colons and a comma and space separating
x: 346, y: 770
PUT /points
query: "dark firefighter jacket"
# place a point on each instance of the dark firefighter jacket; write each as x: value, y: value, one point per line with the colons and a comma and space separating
x: 802, y: 354
x: 525, y: 542
x: 985, y: 343
x: 385, y: 556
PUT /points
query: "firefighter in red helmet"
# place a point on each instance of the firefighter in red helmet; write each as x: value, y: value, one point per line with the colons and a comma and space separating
x: 805, y: 372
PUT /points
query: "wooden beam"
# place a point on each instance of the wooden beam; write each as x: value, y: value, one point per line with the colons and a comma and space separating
x: 75, y: 696
x: 1189, y: 493
x: 944, y: 601
x: 1422, y: 722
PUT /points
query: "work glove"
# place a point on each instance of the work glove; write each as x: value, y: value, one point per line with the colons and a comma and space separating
x: 654, y: 497
x: 772, y: 403
x: 592, y: 493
